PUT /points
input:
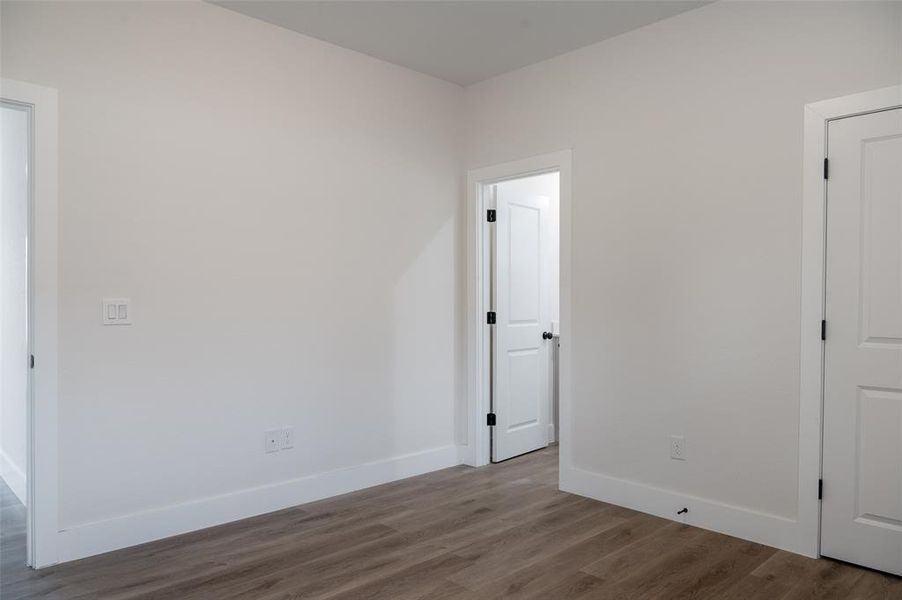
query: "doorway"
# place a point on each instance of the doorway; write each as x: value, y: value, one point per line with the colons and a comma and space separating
x: 861, y: 519
x: 29, y: 304
x: 16, y: 130
x: 519, y: 276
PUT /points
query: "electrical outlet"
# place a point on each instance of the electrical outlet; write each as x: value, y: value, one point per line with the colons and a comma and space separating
x: 272, y: 440
x: 677, y: 447
x: 287, y: 438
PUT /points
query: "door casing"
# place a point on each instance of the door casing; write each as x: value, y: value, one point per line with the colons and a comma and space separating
x: 42, y: 480
x: 476, y: 450
x: 814, y: 239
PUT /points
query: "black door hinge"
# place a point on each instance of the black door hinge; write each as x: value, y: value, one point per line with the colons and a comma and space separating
x: 826, y: 168
x: 490, y: 317
x: 820, y: 489
x: 490, y: 419
x: 823, y: 330
x: 490, y: 215
x: 31, y: 361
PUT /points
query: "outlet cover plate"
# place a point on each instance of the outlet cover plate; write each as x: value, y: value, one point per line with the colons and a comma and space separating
x: 677, y: 447
x: 287, y: 438
x: 272, y: 440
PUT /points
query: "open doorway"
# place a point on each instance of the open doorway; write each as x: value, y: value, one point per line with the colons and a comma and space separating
x: 15, y: 355
x: 518, y: 335
x: 29, y: 323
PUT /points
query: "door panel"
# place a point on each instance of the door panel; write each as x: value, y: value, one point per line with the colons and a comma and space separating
x: 524, y: 382
x: 522, y: 296
x: 879, y: 495
x: 881, y: 260
x: 523, y: 262
x: 862, y: 504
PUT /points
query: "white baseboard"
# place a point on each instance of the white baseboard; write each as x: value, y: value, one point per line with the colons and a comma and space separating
x: 14, y: 476
x: 763, y: 528
x: 465, y: 456
x: 552, y: 438
x: 98, y: 537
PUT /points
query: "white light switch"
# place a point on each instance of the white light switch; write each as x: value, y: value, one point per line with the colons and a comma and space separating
x: 116, y: 311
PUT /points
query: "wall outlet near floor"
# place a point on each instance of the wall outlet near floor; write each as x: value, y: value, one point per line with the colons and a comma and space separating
x: 287, y: 438
x: 278, y: 439
x: 273, y: 440
x: 677, y: 447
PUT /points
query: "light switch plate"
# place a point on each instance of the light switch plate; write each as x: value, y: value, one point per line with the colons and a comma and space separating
x: 117, y: 311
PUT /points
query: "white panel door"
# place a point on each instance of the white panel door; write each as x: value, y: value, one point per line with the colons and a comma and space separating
x: 523, y: 307
x: 862, y: 501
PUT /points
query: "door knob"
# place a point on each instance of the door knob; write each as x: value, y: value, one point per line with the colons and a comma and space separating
x: 547, y: 335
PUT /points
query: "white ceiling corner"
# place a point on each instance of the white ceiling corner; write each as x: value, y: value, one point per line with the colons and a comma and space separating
x: 461, y: 41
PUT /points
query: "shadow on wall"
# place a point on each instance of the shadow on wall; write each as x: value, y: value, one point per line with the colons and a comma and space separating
x: 423, y: 344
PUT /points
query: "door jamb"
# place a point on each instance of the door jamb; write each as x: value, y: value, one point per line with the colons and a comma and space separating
x: 42, y: 434
x: 476, y: 452
x: 811, y: 389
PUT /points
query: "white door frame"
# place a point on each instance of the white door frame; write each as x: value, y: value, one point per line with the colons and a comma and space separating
x: 42, y: 524
x: 817, y: 117
x: 476, y: 452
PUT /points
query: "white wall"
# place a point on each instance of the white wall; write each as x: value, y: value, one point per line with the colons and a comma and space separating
x: 286, y: 218
x: 284, y: 215
x: 14, y: 129
x: 687, y: 175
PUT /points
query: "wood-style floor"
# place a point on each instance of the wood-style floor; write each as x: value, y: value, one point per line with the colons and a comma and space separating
x: 503, y: 531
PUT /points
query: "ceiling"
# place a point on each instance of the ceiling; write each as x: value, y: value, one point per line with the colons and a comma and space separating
x: 461, y: 41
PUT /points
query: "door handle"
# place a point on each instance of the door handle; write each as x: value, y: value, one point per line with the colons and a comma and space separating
x: 547, y: 335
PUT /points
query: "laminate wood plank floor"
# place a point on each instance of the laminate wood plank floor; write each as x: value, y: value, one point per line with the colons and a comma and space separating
x: 503, y: 531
